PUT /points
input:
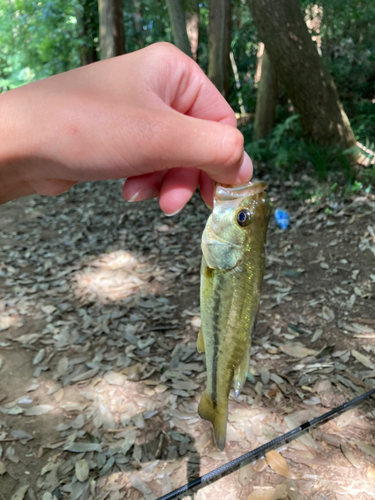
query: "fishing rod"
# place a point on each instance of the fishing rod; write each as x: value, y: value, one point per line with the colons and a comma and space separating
x: 253, y: 455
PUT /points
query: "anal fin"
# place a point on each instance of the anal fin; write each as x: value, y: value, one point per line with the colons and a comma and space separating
x: 240, y: 374
x: 217, y: 416
x: 200, y: 342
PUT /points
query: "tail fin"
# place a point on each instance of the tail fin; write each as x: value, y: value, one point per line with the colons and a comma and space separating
x: 217, y: 416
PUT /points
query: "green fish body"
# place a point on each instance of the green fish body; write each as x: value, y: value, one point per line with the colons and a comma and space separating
x: 231, y: 280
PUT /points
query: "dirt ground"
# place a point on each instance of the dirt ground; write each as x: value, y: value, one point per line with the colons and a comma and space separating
x: 99, y: 374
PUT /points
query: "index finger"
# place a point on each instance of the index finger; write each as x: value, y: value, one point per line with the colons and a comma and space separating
x: 190, y: 92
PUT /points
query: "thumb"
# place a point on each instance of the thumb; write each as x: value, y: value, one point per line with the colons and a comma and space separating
x: 212, y: 147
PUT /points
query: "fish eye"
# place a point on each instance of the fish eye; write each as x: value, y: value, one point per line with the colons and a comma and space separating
x: 244, y: 217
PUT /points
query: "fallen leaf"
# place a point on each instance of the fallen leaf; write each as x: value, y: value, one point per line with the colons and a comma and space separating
x: 345, y: 418
x: 39, y: 356
x: 20, y: 493
x: 265, y: 493
x: 133, y: 372
x: 141, y: 486
x: 364, y: 360
x: 21, y: 435
x: 328, y: 314
x: 86, y: 375
x: 108, y: 466
x: 245, y: 474
x: 264, y: 375
x: 293, y: 273
x: 366, y: 448
x: 48, y: 309
x: 349, y: 455
x: 12, y: 455
x: 84, y: 447
x: 2, y: 468
x: 187, y: 385
x: 278, y: 463
x: 269, y: 493
x: 28, y: 338
x: 82, y: 470
x: 318, y: 333
x: 297, y: 350
x: 114, y: 378
x: 16, y: 410
x: 38, y: 410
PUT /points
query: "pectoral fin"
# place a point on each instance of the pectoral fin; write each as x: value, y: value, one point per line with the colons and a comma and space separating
x: 240, y: 374
x: 217, y: 416
x: 200, y: 342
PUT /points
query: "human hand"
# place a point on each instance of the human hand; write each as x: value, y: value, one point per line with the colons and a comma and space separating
x: 151, y: 116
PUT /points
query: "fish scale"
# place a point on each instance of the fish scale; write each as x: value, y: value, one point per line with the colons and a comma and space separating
x: 231, y: 281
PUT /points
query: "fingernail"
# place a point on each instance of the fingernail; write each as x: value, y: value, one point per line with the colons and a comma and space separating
x: 145, y: 193
x: 174, y: 213
x: 246, y: 169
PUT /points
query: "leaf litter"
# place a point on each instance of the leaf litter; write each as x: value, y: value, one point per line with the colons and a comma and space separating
x: 114, y: 314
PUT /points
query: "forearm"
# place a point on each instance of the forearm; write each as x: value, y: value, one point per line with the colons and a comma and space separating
x: 13, y: 149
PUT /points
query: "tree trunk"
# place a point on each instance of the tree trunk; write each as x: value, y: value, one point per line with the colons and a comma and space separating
x: 300, y: 70
x: 112, y: 36
x: 238, y: 83
x: 192, y: 28
x: 265, y: 111
x: 137, y: 23
x: 258, y: 70
x: 88, y: 20
x: 219, y: 44
x: 177, y: 17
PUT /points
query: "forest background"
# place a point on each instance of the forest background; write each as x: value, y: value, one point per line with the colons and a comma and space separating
x: 274, y: 60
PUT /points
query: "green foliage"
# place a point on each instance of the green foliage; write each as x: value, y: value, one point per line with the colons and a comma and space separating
x: 38, y: 39
x: 146, y: 22
x: 244, y: 46
x: 346, y: 32
x: 287, y: 150
x: 282, y: 149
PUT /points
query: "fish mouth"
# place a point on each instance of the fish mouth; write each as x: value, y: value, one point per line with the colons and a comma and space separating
x: 226, y: 192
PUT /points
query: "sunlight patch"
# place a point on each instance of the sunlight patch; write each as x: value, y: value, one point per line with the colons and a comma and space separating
x: 112, y: 277
x: 6, y: 321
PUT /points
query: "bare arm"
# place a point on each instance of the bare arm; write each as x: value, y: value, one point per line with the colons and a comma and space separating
x: 151, y: 117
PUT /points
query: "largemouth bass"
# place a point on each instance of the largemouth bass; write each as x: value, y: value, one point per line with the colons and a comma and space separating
x: 231, y: 281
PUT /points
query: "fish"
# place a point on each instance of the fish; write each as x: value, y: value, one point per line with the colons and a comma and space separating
x: 232, y: 269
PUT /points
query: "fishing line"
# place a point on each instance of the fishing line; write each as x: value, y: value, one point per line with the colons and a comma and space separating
x: 229, y: 467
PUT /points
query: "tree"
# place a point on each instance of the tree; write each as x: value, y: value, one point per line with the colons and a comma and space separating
x: 265, y: 110
x: 219, y: 44
x: 111, y: 31
x: 301, y: 71
x: 178, y: 22
x: 37, y: 39
x: 89, y: 22
x: 192, y: 28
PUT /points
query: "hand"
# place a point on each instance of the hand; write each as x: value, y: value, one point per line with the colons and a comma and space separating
x: 151, y: 116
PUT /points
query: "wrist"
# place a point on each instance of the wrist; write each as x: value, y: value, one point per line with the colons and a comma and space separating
x: 15, y: 157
